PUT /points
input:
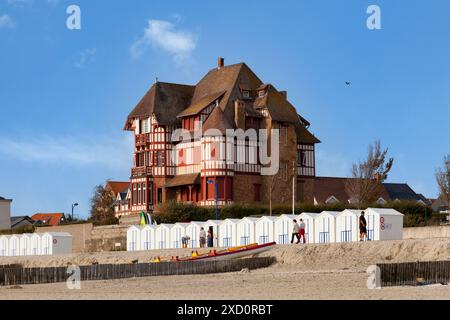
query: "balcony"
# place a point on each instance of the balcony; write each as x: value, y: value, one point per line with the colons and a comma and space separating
x: 141, y: 172
x: 142, y: 139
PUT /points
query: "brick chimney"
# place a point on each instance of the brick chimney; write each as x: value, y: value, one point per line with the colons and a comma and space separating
x: 239, y: 114
x: 220, y: 62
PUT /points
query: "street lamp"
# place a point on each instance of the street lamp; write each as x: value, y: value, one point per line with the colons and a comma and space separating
x: 216, y: 190
x: 73, y: 206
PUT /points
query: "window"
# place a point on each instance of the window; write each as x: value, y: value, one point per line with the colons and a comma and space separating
x: 261, y: 93
x: 159, y: 158
x: 139, y: 193
x: 145, y: 126
x: 134, y: 194
x: 246, y: 94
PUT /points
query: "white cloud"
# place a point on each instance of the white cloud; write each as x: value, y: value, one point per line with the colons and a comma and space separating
x: 85, y: 57
x: 163, y: 35
x: 70, y: 151
x: 6, y: 21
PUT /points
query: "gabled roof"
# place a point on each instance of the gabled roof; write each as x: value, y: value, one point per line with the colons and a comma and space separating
x: 304, y: 136
x: 401, y: 191
x: 164, y: 101
x: 280, y: 109
x: 200, y: 105
x: 118, y: 186
x: 4, y: 199
x: 17, y: 220
x: 218, y: 120
x: 52, y: 219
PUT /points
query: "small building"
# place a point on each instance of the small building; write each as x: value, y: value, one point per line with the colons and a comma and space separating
x: 56, y: 243
x: 14, y: 245
x: 48, y: 219
x: 148, y: 234
x: 4, y: 246
x: 5, y: 213
x: 246, y: 231
x: 25, y: 244
x: 308, y: 218
x: 213, y: 226
x: 36, y: 244
x: 134, y: 238
x: 193, y: 232
x: 325, y: 227
x: 177, y: 232
x: 384, y: 224
x: 21, y: 222
x: 284, y: 225
x: 347, y: 226
x: 228, y: 233
x: 265, y: 229
x: 162, y: 236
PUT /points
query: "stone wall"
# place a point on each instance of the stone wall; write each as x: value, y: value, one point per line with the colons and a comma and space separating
x: 426, y: 232
x: 87, y: 238
x: 105, y: 238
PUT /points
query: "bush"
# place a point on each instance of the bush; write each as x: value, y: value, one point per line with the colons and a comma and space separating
x: 21, y: 230
x: 172, y: 212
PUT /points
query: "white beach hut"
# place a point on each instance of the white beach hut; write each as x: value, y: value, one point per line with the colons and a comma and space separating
x: 176, y: 233
x: 4, y: 246
x: 148, y: 237
x: 193, y: 232
x: 246, y: 231
x: 213, y: 225
x: 162, y: 236
x: 25, y: 244
x: 308, y: 219
x: 35, y: 244
x: 325, y: 227
x: 264, y: 229
x: 384, y: 224
x: 134, y: 238
x: 228, y: 233
x: 347, y: 226
x: 284, y: 225
x: 14, y: 245
x: 56, y: 243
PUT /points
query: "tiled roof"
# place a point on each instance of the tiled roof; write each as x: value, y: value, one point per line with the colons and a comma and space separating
x: 165, y: 101
x: 52, y: 219
x: 183, y: 180
x: 218, y: 120
x: 202, y: 104
x: 117, y: 186
x: 401, y: 191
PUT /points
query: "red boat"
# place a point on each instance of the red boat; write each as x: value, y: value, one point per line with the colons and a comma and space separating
x: 230, y: 253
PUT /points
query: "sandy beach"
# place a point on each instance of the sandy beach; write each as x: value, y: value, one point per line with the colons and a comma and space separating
x: 334, y: 271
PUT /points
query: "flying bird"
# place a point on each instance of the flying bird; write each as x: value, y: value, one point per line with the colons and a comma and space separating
x: 348, y: 83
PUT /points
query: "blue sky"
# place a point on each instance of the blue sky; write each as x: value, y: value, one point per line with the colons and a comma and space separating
x: 65, y: 94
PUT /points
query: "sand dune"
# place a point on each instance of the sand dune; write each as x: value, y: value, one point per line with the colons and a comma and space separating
x: 335, y: 271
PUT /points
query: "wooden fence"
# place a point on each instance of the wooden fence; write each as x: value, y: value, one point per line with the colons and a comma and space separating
x: 407, y: 274
x: 14, y: 275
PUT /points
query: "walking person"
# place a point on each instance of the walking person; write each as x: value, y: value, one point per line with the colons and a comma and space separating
x: 362, y: 227
x: 202, y: 237
x: 301, y: 232
x: 295, y: 231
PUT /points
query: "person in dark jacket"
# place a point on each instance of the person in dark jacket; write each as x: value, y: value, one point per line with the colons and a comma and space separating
x: 362, y: 227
